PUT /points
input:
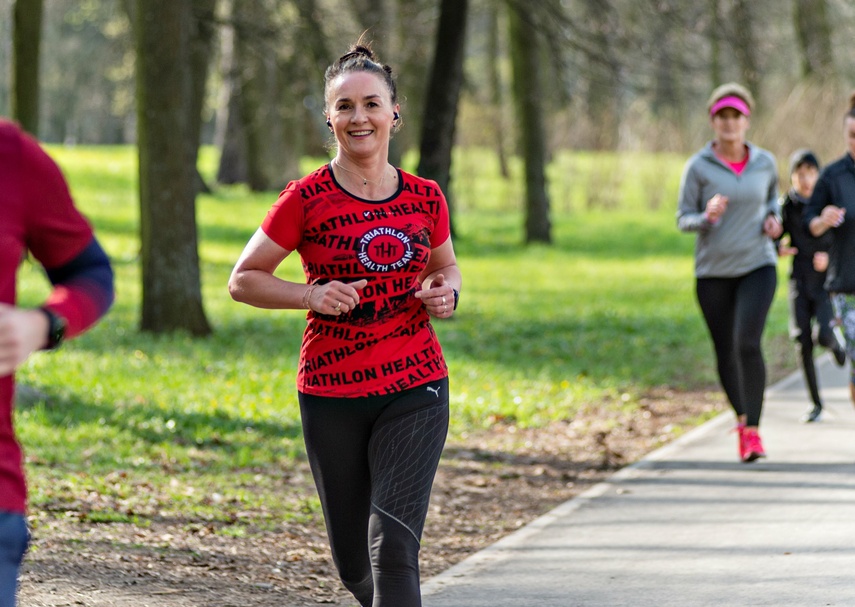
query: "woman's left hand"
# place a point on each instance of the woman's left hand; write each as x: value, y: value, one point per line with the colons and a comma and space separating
x: 439, y: 299
x: 772, y: 226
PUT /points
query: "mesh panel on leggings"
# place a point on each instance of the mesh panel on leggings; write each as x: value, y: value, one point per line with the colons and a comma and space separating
x: 405, y: 453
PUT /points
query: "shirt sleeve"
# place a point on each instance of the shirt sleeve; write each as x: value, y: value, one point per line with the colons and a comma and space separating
x: 284, y: 221
x: 690, y: 210
x: 773, y: 207
x: 442, y: 229
x: 56, y: 231
x: 62, y: 241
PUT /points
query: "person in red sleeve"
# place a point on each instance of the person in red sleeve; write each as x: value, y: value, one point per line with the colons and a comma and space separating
x: 372, y: 381
x: 37, y: 215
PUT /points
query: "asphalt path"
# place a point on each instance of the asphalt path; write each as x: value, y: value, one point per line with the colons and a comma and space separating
x: 690, y: 525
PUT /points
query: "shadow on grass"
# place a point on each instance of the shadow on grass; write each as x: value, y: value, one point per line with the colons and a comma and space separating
x: 216, y: 430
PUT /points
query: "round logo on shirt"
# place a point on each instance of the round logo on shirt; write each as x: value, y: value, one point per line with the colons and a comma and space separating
x: 385, y: 250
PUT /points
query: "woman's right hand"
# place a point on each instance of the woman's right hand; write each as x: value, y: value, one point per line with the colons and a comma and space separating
x: 335, y: 297
x: 716, y: 206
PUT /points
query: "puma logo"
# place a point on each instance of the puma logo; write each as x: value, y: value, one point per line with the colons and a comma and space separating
x: 434, y: 390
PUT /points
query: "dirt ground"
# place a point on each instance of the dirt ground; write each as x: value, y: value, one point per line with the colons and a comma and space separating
x: 488, y: 485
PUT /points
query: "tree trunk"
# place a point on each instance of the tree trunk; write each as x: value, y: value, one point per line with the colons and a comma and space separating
x: 203, y: 26
x: 249, y: 65
x: 229, y: 137
x: 524, y: 41
x: 813, y: 31
x: 232, y: 168
x: 371, y: 15
x: 440, y: 110
x: 745, y: 45
x: 26, y: 43
x: 496, y: 97
x: 715, y: 43
x: 603, y: 74
x: 172, y: 297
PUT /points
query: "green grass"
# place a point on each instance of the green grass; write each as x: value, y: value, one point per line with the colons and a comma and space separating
x: 600, y: 318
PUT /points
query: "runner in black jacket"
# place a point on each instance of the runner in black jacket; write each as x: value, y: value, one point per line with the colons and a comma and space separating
x: 807, y: 294
x: 832, y: 210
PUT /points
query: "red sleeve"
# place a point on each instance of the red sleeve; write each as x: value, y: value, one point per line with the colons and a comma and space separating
x: 284, y: 221
x: 56, y: 231
x: 442, y: 229
x: 61, y: 239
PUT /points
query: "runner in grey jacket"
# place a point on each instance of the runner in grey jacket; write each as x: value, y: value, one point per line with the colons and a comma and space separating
x: 729, y: 197
x: 735, y: 244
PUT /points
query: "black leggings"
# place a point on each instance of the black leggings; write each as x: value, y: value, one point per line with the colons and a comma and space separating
x: 735, y: 311
x: 809, y: 300
x: 374, y: 460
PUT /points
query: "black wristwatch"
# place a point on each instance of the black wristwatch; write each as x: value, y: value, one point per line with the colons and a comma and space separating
x: 56, y: 328
x: 456, y: 297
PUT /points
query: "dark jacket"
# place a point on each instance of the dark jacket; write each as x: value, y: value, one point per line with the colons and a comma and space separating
x: 792, y: 219
x: 836, y: 186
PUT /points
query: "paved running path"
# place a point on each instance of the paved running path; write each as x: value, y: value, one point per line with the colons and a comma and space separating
x: 690, y: 526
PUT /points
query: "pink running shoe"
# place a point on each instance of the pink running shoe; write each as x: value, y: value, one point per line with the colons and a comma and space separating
x: 740, y: 431
x: 751, y: 447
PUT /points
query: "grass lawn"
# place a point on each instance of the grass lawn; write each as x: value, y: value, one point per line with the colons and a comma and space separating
x: 136, y: 425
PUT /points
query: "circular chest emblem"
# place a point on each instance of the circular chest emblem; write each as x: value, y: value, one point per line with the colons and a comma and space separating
x: 385, y: 250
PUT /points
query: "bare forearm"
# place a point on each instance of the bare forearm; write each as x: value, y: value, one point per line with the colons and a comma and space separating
x: 451, y: 273
x: 264, y: 290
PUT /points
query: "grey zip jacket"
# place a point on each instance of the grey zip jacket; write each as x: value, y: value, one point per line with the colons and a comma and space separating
x: 736, y: 244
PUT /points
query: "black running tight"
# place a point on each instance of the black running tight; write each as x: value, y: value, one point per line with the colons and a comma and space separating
x: 735, y: 311
x: 374, y: 460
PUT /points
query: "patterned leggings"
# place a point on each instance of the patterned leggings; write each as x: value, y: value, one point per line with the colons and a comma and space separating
x: 374, y: 460
x: 844, y: 310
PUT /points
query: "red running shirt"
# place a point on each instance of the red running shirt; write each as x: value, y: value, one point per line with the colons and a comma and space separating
x: 36, y: 215
x: 387, y: 343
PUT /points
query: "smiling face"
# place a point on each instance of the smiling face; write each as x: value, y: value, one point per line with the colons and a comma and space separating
x: 730, y: 126
x: 361, y: 112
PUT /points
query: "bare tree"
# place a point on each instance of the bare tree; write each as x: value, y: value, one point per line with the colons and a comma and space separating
x: 203, y: 27
x: 603, y: 72
x: 229, y: 137
x: 715, y: 36
x: 440, y: 110
x: 373, y: 17
x: 172, y: 297
x: 525, y: 59
x: 26, y: 34
x: 744, y: 43
x: 495, y: 85
x: 813, y: 31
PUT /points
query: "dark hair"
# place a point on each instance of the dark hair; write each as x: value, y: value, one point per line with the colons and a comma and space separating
x: 360, y: 58
x: 851, y: 112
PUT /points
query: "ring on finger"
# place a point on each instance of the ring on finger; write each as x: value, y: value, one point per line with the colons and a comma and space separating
x: 443, y: 300
x: 337, y: 307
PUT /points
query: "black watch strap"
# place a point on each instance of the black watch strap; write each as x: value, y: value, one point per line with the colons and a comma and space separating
x: 456, y: 297
x: 56, y: 328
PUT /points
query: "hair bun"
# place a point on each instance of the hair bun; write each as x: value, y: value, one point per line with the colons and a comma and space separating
x: 852, y: 101
x: 358, y: 50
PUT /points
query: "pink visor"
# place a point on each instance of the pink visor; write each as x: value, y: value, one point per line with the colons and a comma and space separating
x: 731, y: 101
